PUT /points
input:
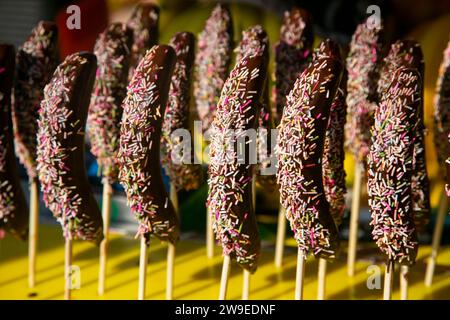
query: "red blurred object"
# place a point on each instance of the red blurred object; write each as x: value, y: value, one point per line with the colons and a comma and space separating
x: 94, y: 19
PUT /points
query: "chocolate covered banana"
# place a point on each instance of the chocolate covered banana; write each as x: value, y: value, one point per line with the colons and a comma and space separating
x: 139, y: 147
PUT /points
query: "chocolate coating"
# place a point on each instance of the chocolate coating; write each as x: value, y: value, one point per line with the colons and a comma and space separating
x: 13, y: 206
x: 292, y: 55
x: 113, y: 52
x: 390, y: 164
x: 36, y: 61
x: 139, y: 151
x: 230, y: 176
x: 182, y: 175
x: 300, y: 148
x: 255, y: 40
x: 442, y: 111
x: 334, y: 154
x: 61, y: 148
x: 363, y: 70
x: 213, y: 57
x: 408, y: 54
x: 144, y: 22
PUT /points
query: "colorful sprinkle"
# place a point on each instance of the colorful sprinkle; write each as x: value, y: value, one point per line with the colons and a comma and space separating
x: 112, y: 50
x: 407, y: 53
x: 215, y: 45
x: 334, y: 154
x: 442, y: 111
x: 292, y: 55
x: 144, y: 23
x: 299, y: 149
x: 390, y: 167
x: 362, y: 69
x: 36, y: 61
x: 13, y: 205
x: 140, y: 136
x: 182, y: 175
x: 230, y: 180
x: 60, y: 148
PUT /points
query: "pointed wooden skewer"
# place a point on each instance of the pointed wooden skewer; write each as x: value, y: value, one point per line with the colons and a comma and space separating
x: 170, y: 273
x: 246, y: 285
x: 143, y: 260
x: 300, y: 275
x: 404, y: 272
x: 106, y: 214
x: 171, y: 249
x: 388, y: 280
x: 33, y: 232
x: 246, y: 273
x: 281, y: 234
x: 437, y: 235
x: 67, y: 270
x: 224, y: 277
x: 354, y: 220
x: 321, y: 279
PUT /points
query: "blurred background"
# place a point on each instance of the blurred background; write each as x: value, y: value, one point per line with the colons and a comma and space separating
x: 427, y: 21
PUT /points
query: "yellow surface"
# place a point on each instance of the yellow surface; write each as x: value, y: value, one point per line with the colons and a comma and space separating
x: 196, y: 276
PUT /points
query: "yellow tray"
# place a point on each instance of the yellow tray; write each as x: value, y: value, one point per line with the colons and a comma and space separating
x: 196, y: 277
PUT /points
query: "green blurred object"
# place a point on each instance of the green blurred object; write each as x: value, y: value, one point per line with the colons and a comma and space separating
x: 193, y: 210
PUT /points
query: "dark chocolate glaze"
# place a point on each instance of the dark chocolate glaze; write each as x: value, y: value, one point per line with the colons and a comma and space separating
x: 186, y: 39
x: 233, y: 215
x: 391, y: 167
x: 250, y: 227
x: 334, y: 153
x: 266, y: 121
x: 441, y: 123
x: 14, y: 215
x: 329, y: 52
x: 302, y: 191
x: 292, y: 22
x: 147, y: 195
x: 36, y: 61
x: 113, y: 51
x: 144, y: 23
x: 292, y: 55
x: 88, y: 224
x: 186, y: 176
x: 408, y: 54
x: 117, y: 32
x: 255, y: 39
x: 213, y: 58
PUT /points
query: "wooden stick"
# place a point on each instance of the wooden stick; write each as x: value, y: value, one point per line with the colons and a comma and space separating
x: 281, y: 234
x: 354, y: 219
x: 171, y: 249
x: 388, y: 280
x: 106, y: 214
x: 404, y: 272
x: 300, y: 275
x: 142, y: 269
x: 224, y: 278
x: 209, y: 236
x: 321, y: 279
x: 67, y: 269
x: 245, y: 284
x: 33, y: 232
x: 174, y: 198
x: 170, y: 273
x: 437, y: 235
x: 245, y: 272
